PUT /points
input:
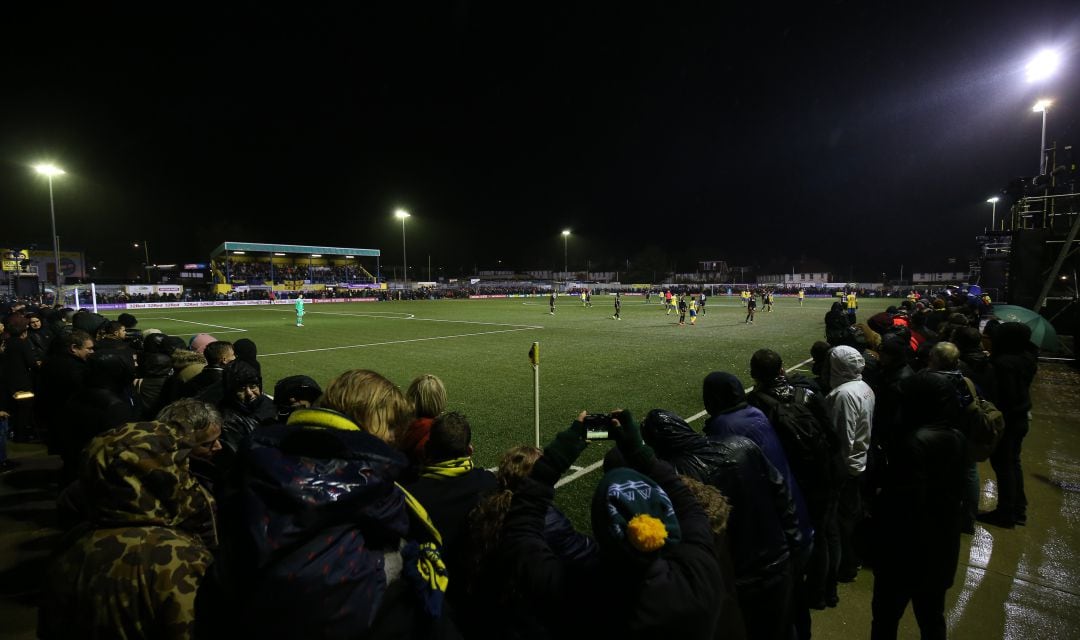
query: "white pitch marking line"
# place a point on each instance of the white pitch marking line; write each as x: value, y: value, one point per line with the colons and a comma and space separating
x: 596, y: 465
x: 409, y: 316
x: 380, y: 344
x: 205, y: 324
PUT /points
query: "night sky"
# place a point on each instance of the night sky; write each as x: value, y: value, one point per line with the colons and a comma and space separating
x: 862, y: 134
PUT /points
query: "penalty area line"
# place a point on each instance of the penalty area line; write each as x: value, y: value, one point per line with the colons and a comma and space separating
x: 581, y: 471
x: 204, y: 324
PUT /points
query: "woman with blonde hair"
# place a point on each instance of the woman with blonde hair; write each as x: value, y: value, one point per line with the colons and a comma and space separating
x: 317, y: 490
x: 427, y: 395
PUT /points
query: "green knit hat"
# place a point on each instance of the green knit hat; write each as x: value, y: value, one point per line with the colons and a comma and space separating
x: 632, y: 514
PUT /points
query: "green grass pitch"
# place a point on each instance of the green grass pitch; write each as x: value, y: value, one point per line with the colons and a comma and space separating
x: 480, y: 350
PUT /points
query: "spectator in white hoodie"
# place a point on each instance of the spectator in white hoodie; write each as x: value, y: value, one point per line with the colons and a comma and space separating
x: 851, y: 410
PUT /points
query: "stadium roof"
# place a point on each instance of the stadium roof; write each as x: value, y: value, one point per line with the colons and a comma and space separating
x: 296, y: 249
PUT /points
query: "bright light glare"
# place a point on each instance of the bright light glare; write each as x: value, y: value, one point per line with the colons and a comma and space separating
x: 238, y: 253
x: 349, y: 257
x: 316, y: 255
x: 994, y: 199
x: 1042, y: 105
x: 48, y: 169
x: 279, y: 254
x: 401, y: 213
x: 566, y: 232
x: 1043, y: 65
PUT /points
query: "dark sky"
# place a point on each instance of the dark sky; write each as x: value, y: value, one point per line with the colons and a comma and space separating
x: 864, y: 134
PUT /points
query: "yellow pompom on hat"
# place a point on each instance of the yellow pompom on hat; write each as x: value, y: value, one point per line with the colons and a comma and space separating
x: 632, y: 513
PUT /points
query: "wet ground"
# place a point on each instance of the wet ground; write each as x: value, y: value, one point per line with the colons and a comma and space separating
x: 1015, y: 584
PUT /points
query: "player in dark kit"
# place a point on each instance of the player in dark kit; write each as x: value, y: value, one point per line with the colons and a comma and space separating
x: 551, y: 303
x: 682, y: 311
x: 618, y: 307
x: 751, y: 306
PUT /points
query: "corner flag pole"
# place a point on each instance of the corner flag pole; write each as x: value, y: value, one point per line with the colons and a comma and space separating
x: 534, y: 358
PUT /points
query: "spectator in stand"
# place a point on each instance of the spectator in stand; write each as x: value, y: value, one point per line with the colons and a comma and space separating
x: 244, y: 407
x: 658, y: 572
x: 134, y: 570
x: 247, y: 351
x: 134, y: 335
x: 199, y: 341
x: 427, y: 394
x: 154, y: 372
x: 919, y: 505
x: 112, y: 338
x: 449, y: 486
x: 318, y: 489
x: 203, y: 421
x: 294, y: 392
x: 62, y: 376
x: 206, y: 385
x: 1015, y: 364
x: 17, y: 378
x: 40, y: 337
x: 851, y: 410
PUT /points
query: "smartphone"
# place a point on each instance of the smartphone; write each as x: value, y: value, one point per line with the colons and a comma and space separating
x: 597, y: 426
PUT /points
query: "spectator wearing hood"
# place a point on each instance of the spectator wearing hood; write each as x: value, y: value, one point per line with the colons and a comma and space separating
x: 919, y: 506
x: 105, y: 402
x: 763, y: 534
x: 320, y: 540
x: 658, y: 571
x: 244, y: 406
x: 248, y: 351
x: 132, y: 568
x: 731, y: 415
x: 295, y: 392
x: 154, y: 371
x: 851, y: 410
x: 1015, y: 365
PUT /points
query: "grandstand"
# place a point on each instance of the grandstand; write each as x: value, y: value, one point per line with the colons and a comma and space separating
x: 250, y: 266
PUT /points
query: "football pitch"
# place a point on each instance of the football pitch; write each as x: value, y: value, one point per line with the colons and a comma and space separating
x: 479, y: 348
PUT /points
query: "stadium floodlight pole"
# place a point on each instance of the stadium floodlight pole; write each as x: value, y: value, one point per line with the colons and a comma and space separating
x: 401, y: 213
x: 1043, y: 106
x: 146, y: 254
x: 993, y: 211
x: 565, y: 235
x: 50, y: 170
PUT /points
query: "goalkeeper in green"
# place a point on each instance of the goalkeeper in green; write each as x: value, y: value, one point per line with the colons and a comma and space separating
x: 300, y: 310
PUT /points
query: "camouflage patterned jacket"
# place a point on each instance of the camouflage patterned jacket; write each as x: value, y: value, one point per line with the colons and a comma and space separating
x: 132, y: 569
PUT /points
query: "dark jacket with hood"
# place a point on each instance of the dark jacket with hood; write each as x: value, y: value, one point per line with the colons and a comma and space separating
x: 241, y: 419
x: 918, y: 509
x: 154, y: 370
x: 318, y: 539
x: 763, y: 529
x: 1015, y: 365
x: 107, y: 401
x: 731, y: 415
x: 673, y: 591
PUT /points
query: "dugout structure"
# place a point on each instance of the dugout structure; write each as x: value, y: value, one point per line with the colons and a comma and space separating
x: 290, y: 267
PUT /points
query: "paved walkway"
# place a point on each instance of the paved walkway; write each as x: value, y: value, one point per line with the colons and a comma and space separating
x: 1016, y: 584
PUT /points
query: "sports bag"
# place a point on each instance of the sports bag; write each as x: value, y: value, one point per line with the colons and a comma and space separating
x: 984, y: 424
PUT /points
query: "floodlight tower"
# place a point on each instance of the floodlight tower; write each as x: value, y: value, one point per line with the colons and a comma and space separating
x: 993, y: 211
x: 50, y: 170
x: 1042, y: 106
x: 565, y: 236
x: 401, y: 213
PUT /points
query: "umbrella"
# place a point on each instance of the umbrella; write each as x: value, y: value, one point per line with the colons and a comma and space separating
x: 1042, y: 332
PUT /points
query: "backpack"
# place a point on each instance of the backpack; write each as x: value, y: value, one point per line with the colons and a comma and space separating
x: 809, y: 445
x: 983, y: 425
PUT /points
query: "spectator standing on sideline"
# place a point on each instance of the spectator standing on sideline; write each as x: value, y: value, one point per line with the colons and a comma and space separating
x: 851, y: 410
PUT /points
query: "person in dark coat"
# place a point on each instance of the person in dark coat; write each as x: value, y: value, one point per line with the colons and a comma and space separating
x: 918, y: 510
x: 105, y: 402
x: 62, y: 376
x: 244, y: 407
x: 247, y: 351
x: 658, y: 572
x: 318, y: 539
x: 155, y: 369
x: 207, y: 384
x: 1015, y: 364
x: 974, y: 364
x: 18, y: 368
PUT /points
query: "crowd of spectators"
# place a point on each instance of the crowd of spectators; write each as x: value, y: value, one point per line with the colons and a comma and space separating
x: 199, y: 505
x: 261, y: 272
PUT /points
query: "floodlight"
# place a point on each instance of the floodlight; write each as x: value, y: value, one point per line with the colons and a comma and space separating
x: 1043, y: 65
x: 238, y: 253
x: 279, y: 254
x: 316, y: 255
x: 401, y: 213
x: 993, y: 200
x: 48, y: 169
x: 566, y: 232
x: 1042, y: 105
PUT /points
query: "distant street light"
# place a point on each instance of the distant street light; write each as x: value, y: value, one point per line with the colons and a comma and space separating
x: 401, y: 213
x: 1043, y: 65
x: 1043, y: 106
x: 146, y: 254
x: 50, y: 170
x: 565, y: 235
x: 993, y: 212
